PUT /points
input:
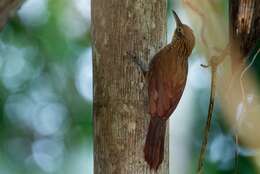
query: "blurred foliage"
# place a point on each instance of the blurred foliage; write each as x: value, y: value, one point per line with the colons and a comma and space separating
x: 45, y: 120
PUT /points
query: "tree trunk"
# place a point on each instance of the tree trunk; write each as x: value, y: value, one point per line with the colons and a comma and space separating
x: 7, y: 8
x: 121, y: 29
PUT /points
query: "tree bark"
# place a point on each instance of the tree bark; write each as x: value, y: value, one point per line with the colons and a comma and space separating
x: 121, y: 29
x: 7, y: 8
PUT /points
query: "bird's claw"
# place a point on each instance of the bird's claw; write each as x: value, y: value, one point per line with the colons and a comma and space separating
x: 140, y: 63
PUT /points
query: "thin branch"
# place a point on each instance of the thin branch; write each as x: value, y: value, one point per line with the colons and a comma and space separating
x: 208, y: 123
x: 214, y: 62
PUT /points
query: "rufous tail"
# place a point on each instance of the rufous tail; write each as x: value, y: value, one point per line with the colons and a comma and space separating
x: 154, y: 144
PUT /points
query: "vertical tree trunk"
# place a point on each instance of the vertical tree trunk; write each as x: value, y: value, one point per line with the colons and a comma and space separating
x: 121, y: 28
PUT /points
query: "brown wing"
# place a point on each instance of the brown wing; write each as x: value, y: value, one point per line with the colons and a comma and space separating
x: 166, y: 81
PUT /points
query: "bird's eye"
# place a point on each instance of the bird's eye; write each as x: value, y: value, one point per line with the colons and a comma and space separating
x: 179, y: 30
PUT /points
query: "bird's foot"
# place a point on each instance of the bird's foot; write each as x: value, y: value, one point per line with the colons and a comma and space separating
x: 139, y: 62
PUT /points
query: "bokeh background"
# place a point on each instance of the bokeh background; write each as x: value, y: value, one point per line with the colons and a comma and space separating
x: 46, y: 95
x: 45, y: 86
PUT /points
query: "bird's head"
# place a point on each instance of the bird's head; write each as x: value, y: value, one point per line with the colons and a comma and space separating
x: 183, y: 32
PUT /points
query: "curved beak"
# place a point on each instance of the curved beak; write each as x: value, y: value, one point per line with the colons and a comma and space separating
x: 177, y: 19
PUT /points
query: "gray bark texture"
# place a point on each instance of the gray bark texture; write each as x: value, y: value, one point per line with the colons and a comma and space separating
x: 7, y: 9
x: 122, y: 29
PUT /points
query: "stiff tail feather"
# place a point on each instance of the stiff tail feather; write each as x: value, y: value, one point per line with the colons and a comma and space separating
x: 154, y: 145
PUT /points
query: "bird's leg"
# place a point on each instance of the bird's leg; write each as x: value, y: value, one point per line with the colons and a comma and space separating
x: 140, y: 63
x: 144, y: 68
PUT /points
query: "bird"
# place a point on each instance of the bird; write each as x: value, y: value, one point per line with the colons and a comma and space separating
x: 166, y: 78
